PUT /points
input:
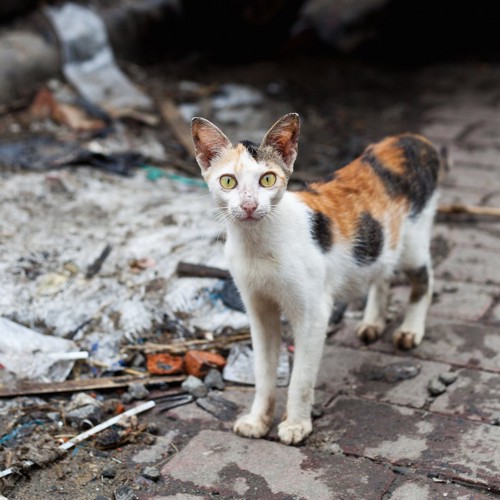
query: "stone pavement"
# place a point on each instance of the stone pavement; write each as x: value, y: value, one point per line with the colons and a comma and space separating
x: 380, y: 433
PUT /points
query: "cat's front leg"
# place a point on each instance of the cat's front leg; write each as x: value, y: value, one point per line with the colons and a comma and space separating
x: 309, y: 331
x: 265, y: 328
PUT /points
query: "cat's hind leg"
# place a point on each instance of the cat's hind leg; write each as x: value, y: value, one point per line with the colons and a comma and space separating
x: 265, y: 327
x: 373, y: 323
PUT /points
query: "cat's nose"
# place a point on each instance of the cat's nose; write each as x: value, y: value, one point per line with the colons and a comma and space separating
x: 249, y: 207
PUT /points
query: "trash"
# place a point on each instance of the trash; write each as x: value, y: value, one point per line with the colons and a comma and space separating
x: 31, y: 355
x: 33, y: 388
x: 200, y: 271
x: 173, y: 401
x: 195, y: 386
x: 137, y: 391
x: 94, y: 430
x: 395, y: 372
x: 85, y: 416
x: 198, y: 363
x: 124, y: 493
x: 214, y: 380
x: 231, y: 297
x: 151, y: 473
x: 164, y: 364
x: 89, y: 62
x: 233, y: 95
x: 108, y: 472
x: 95, y: 267
x: 218, y: 406
x: 240, y: 366
x: 436, y: 387
x: 178, y: 125
x: 448, y: 378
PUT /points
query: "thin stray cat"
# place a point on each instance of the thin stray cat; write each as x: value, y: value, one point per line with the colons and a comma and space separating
x: 294, y: 253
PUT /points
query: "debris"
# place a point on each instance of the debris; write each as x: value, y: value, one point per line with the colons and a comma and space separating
x: 89, y: 63
x: 469, y: 209
x: 151, y: 473
x: 95, y: 267
x: 233, y: 95
x: 108, y: 472
x: 94, y: 430
x: 164, y: 364
x: 448, y: 378
x: 173, y: 401
x: 139, y: 265
x: 195, y: 386
x: 178, y: 125
x: 124, y: 493
x: 231, y: 297
x: 33, y: 388
x: 240, y: 366
x: 436, y: 387
x: 31, y: 355
x: 182, y: 347
x: 198, y: 363
x: 81, y: 399
x: 201, y: 271
x: 85, y: 416
x: 218, y: 406
x: 395, y: 372
x: 214, y: 380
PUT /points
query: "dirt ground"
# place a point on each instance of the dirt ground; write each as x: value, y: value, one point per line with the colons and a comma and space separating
x: 56, y: 222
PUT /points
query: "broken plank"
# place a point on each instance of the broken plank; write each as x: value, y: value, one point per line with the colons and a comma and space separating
x: 37, y: 388
x: 200, y: 271
x: 177, y: 124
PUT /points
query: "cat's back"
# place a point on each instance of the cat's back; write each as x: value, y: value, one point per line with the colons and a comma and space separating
x: 392, y: 180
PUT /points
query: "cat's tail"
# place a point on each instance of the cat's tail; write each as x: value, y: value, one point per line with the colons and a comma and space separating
x: 444, y: 163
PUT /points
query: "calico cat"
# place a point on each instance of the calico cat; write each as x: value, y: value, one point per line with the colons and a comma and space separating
x: 294, y: 253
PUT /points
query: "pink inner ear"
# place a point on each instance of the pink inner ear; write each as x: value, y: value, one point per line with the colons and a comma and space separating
x: 208, y: 141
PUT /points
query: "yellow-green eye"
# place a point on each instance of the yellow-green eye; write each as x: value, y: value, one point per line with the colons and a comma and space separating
x: 227, y: 182
x: 268, y: 180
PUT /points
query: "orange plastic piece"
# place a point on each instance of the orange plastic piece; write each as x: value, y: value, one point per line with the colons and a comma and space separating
x: 198, y: 363
x: 164, y: 364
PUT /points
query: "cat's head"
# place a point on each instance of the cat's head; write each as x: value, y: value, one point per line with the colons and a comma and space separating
x: 247, y: 180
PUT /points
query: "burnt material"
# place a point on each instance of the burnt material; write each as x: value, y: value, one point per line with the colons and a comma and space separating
x: 369, y: 240
x: 321, y: 231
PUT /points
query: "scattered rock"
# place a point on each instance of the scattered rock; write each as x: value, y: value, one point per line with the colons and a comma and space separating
x: 214, y: 380
x: 100, y: 497
x: 54, y: 416
x: 108, y: 472
x: 151, y: 473
x: 447, y: 378
x: 219, y: 407
x: 195, y: 386
x: 153, y: 428
x: 392, y: 373
x: 79, y: 416
x: 436, y: 387
x: 495, y: 420
x: 124, y: 493
x: 138, y: 391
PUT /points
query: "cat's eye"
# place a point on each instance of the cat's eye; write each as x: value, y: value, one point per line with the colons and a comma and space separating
x: 227, y: 182
x: 268, y: 180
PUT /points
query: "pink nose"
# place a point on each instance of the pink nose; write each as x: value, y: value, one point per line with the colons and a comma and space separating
x: 249, y: 207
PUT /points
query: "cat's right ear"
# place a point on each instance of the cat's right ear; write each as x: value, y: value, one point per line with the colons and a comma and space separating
x: 208, y: 140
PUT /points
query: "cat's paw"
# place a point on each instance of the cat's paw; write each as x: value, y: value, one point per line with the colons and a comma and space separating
x: 369, y: 333
x: 294, y: 432
x: 252, y: 426
x: 405, y: 340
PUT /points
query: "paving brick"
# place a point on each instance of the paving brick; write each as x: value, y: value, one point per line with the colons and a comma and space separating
x: 477, y: 235
x: 475, y: 395
x: 223, y: 464
x: 472, y: 177
x: 464, y: 196
x: 419, y: 488
x: 371, y: 375
x: 485, y: 135
x: 480, y: 156
x: 443, y: 132
x: 454, y: 448
x: 456, y: 343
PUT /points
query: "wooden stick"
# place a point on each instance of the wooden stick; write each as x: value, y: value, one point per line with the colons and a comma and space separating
x: 201, y: 271
x: 179, y: 127
x: 469, y: 209
x: 35, y: 388
x: 182, y: 347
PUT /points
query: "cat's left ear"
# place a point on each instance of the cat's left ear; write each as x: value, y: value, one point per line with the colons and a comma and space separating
x: 208, y: 140
x: 283, y: 137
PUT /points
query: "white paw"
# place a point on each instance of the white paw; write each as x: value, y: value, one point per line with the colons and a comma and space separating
x: 369, y: 333
x: 294, y: 432
x: 252, y: 426
x: 405, y: 339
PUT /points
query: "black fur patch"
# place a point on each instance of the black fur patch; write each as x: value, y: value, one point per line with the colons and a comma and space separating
x: 419, y: 279
x: 368, y: 241
x: 252, y: 148
x: 321, y: 231
x: 419, y: 180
